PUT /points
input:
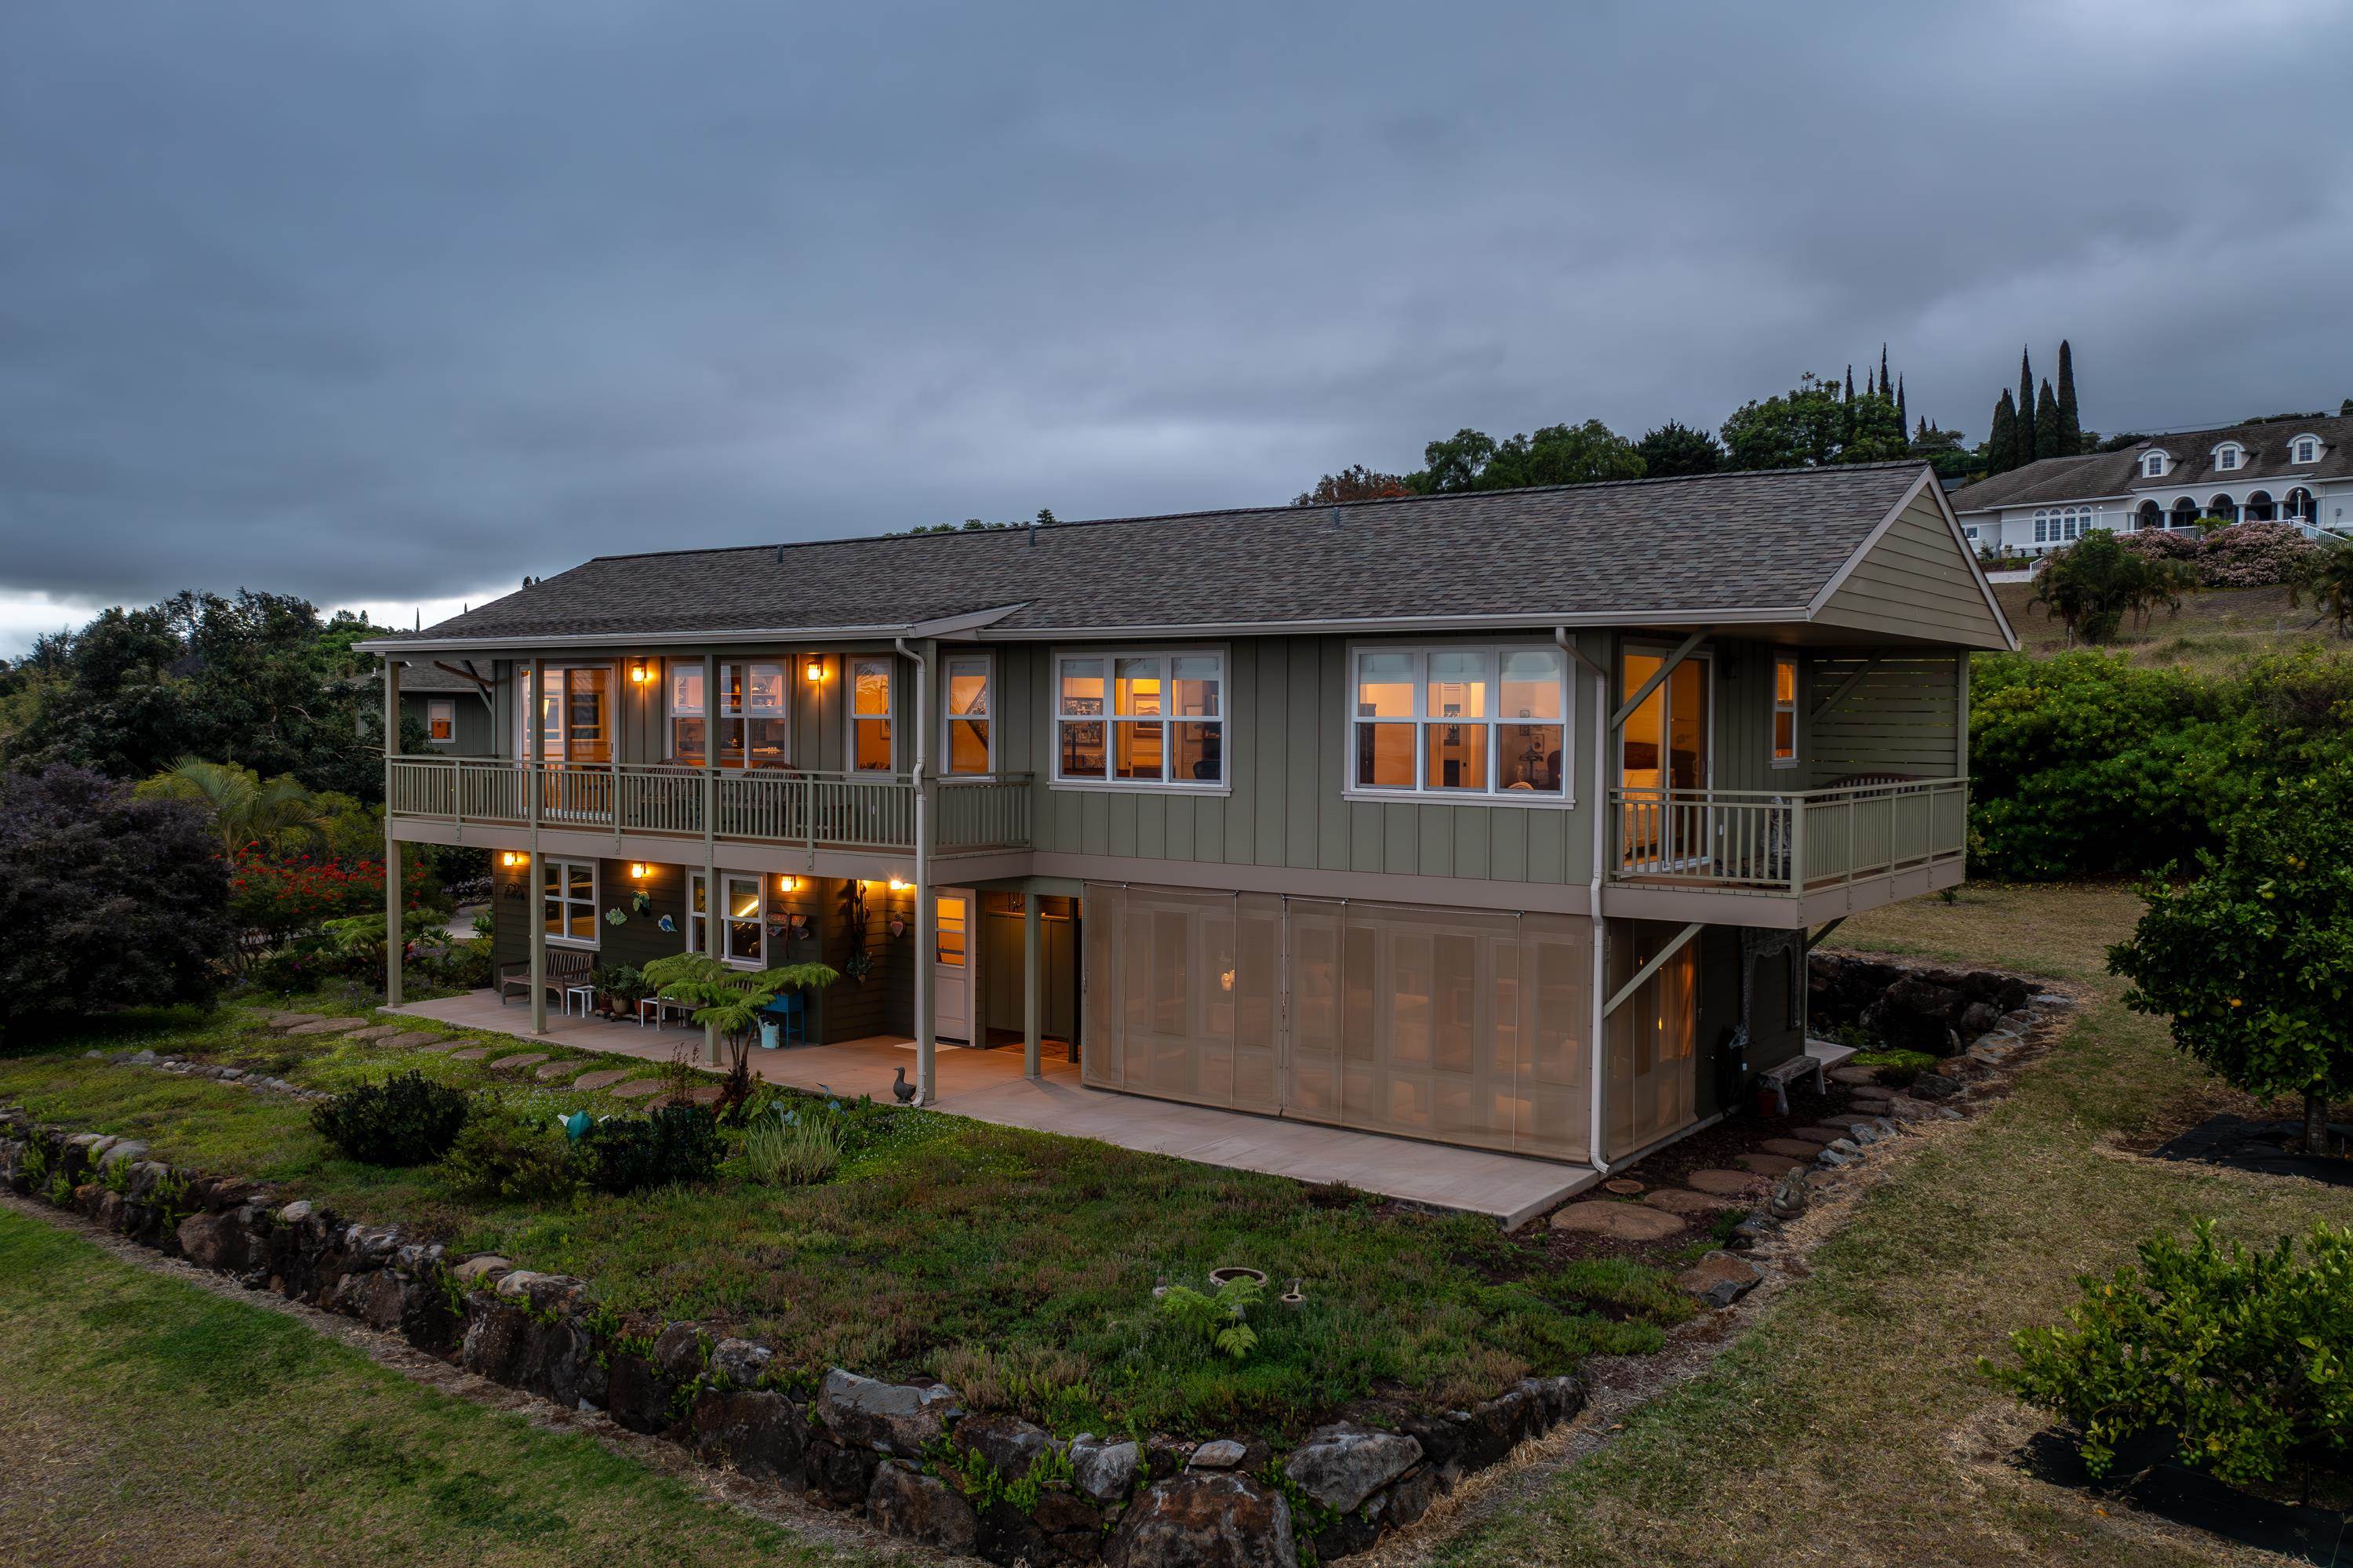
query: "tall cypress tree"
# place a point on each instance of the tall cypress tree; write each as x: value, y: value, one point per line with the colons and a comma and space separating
x: 1885, y: 387
x: 1900, y: 409
x: 2046, y: 424
x: 2071, y: 426
x: 2001, y: 439
x: 2023, y: 452
x: 1850, y: 383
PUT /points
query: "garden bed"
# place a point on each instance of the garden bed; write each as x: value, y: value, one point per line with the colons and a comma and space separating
x: 1018, y: 1265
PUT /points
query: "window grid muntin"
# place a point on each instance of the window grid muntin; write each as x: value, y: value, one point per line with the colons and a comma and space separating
x: 1137, y: 709
x: 573, y: 913
x: 1416, y: 679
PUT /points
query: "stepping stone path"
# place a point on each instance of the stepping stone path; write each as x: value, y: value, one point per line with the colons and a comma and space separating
x: 1622, y: 1221
x: 288, y: 1020
x: 1824, y: 1135
x: 637, y: 1088
x: 1683, y: 1201
x: 1770, y: 1164
x: 328, y: 1026
x: 1856, y: 1075
x: 411, y: 1040
x: 471, y: 1053
x: 380, y: 1031
x: 1795, y: 1148
x: 1720, y: 1278
x: 519, y: 1061
x: 707, y: 1094
x: 1724, y: 1183
x: 437, y: 1046
x: 554, y: 1069
x: 600, y: 1078
x: 1624, y: 1186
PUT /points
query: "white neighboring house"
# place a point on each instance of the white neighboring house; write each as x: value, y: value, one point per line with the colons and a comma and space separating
x: 2271, y: 471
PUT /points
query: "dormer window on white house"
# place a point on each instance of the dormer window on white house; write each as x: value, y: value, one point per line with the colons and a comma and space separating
x: 2306, y: 449
x: 2226, y: 457
x: 2153, y: 466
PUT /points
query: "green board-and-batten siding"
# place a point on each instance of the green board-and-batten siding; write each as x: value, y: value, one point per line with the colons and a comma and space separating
x: 1917, y: 581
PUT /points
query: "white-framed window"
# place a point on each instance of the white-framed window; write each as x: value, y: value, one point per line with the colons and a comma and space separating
x: 567, y: 900
x: 871, y: 743
x: 2307, y: 448
x: 967, y: 713
x: 742, y: 918
x: 1785, y: 710
x: 2226, y: 458
x: 754, y: 724
x: 1154, y: 720
x: 1460, y: 722
x: 441, y: 720
x: 2043, y: 527
x: 2153, y: 466
x: 1971, y: 533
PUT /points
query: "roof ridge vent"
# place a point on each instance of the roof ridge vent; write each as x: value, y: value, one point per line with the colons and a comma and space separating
x: 1335, y: 515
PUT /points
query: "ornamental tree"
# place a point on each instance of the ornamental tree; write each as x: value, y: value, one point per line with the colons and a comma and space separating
x: 2253, y: 961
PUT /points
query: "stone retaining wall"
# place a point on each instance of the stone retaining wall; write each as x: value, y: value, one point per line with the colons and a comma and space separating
x: 905, y: 1455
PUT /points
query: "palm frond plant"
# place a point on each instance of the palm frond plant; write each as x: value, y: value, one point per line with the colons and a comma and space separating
x: 730, y: 1001
x: 249, y: 812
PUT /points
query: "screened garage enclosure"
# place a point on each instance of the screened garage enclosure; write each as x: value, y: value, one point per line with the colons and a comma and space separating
x: 1456, y: 1025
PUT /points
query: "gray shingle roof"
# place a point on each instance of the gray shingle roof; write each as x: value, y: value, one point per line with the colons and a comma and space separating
x: 1706, y: 543
x: 2267, y: 451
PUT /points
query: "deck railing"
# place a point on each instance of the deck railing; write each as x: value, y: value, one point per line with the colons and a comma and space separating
x: 820, y: 811
x: 1788, y: 841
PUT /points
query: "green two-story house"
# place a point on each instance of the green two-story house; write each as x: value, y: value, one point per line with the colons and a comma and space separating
x: 1498, y: 819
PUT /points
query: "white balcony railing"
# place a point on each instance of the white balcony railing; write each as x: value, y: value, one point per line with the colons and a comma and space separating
x: 818, y: 810
x: 1788, y: 841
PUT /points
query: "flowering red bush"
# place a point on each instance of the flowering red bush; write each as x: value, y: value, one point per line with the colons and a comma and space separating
x: 295, y: 892
x: 2250, y: 555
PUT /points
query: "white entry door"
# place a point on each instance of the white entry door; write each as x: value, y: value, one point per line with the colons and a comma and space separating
x: 952, y: 967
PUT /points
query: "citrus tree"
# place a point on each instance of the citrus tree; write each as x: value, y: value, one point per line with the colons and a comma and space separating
x: 2253, y: 960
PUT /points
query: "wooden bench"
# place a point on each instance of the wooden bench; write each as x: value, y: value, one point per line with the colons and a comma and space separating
x: 565, y: 968
x: 1796, y: 1069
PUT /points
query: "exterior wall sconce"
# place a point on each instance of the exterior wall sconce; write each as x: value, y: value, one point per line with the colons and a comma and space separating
x: 815, y: 669
x: 789, y: 885
x: 640, y: 871
x: 513, y: 857
x: 640, y: 673
x: 897, y: 885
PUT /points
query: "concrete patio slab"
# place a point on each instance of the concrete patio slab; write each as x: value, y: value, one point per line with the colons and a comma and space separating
x: 988, y: 1086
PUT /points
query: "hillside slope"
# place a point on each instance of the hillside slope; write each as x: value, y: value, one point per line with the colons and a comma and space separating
x: 2214, y: 629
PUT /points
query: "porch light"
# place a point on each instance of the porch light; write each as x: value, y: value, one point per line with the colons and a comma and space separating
x: 638, y: 673
x: 789, y: 885
x: 640, y: 871
x: 815, y: 668
x: 513, y: 857
x: 897, y: 885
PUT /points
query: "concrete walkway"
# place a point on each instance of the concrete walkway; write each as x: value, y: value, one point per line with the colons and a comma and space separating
x: 988, y: 1086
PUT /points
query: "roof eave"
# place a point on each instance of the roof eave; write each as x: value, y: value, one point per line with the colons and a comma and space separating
x: 937, y: 626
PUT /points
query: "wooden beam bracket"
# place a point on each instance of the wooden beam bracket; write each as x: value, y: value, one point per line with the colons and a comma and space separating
x: 1647, y: 971
x: 1845, y: 686
x: 1683, y: 651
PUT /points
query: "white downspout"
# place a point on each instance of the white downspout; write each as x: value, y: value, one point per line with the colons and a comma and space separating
x: 1601, y: 806
x: 926, y: 913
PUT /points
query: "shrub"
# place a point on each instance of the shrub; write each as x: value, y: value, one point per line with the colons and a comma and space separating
x: 674, y: 1144
x: 2093, y: 584
x: 504, y: 1152
x: 2251, y: 555
x: 2162, y: 543
x: 798, y: 1153
x: 1896, y: 1068
x: 106, y: 901
x: 1217, y: 1319
x: 406, y: 1121
x: 2240, y: 1354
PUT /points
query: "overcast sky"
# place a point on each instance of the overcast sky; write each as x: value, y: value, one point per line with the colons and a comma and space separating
x: 391, y: 304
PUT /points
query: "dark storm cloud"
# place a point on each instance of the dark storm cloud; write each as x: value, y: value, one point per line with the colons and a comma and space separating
x: 403, y: 302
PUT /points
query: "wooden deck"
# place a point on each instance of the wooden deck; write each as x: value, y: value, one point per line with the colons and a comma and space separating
x: 988, y: 1086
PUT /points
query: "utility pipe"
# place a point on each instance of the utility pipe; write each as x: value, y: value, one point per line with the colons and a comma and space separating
x: 1599, y: 805
x: 392, y: 942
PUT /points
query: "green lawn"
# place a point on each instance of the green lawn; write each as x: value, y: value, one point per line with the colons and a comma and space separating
x: 147, y: 1421
x: 1017, y: 1265
x: 1848, y: 1425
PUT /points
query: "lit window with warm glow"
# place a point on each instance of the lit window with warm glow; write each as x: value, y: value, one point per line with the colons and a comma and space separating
x: 754, y: 723
x: 870, y: 714
x: 970, y: 739
x: 1461, y: 722
x: 1145, y: 719
x: 567, y: 890
x: 743, y: 925
x: 441, y: 721
x: 1785, y: 710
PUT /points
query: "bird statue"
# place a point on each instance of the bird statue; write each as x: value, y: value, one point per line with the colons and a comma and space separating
x: 902, y: 1090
